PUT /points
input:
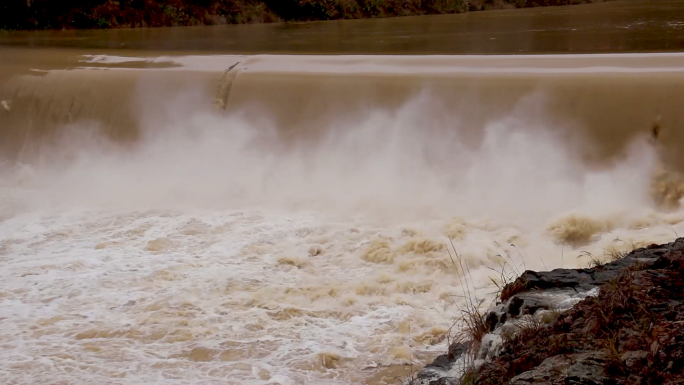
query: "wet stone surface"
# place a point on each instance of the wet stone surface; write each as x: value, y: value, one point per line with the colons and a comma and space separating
x: 621, y: 324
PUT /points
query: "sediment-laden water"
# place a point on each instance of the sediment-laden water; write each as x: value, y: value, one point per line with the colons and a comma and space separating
x: 177, y: 219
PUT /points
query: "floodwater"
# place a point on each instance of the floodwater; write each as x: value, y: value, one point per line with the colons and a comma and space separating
x: 183, y: 206
x: 622, y: 26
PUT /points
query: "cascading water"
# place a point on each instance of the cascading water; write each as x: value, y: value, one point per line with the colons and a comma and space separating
x: 285, y: 219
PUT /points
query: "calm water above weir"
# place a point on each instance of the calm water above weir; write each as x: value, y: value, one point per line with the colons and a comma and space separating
x: 619, y: 26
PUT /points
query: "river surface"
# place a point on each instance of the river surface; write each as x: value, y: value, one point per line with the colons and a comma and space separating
x: 204, y: 206
x: 622, y: 26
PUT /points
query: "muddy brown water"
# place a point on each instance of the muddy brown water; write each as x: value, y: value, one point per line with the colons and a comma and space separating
x: 618, y: 26
x: 610, y: 105
x: 598, y: 75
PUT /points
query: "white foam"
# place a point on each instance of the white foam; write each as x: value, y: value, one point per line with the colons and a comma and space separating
x: 411, y: 64
x: 186, y: 258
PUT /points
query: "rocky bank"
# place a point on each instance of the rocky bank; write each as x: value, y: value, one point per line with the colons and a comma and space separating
x: 618, y: 323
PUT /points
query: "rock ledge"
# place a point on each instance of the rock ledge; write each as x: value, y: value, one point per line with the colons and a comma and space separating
x: 619, y: 323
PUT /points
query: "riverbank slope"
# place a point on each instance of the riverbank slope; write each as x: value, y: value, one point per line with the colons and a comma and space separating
x: 627, y: 329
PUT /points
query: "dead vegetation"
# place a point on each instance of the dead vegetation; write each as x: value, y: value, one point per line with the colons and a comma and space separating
x: 471, y: 325
x: 611, y: 255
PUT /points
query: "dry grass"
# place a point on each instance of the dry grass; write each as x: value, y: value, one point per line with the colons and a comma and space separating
x: 470, y: 326
x: 505, y: 278
x: 609, y: 256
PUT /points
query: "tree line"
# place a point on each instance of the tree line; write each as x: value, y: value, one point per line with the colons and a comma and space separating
x: 85, y: 14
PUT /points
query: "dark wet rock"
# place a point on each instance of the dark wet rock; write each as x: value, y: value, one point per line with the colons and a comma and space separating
x: 442, y: 362
x: 438, y: 371
x: 586, y: 279
x: 588, y: 368
x: 633, y: 358
x: 529, y: 303
x: 429, y: 377
x: 534, y: 291
x: 581, y: 368
x: 492, y: 319
x: 625, y: 326
x: 456, y: 350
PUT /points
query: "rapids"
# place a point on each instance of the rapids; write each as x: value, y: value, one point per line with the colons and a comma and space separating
x: 259, y: 219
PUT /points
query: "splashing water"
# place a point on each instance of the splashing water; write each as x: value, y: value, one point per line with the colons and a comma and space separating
x: 213, y: 250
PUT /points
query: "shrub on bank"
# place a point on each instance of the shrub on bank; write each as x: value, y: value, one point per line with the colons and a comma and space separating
x: 82, y: 14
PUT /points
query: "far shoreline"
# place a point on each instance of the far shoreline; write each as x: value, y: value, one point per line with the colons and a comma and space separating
x: 20, y: 15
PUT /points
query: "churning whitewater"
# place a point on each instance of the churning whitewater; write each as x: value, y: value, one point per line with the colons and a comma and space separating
x: 247, y: 245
